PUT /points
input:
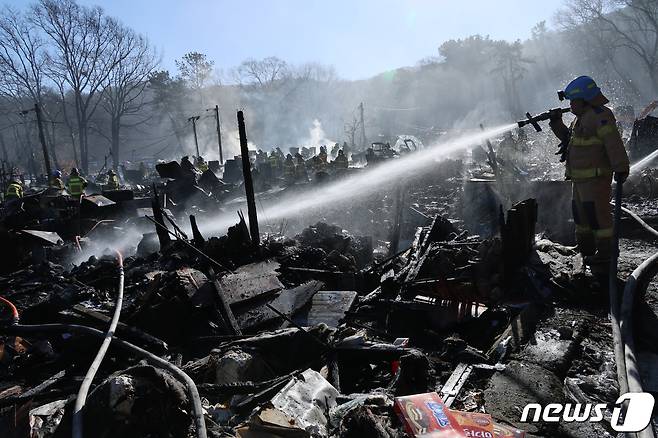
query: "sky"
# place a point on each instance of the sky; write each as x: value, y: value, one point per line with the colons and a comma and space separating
x: 360, y: 38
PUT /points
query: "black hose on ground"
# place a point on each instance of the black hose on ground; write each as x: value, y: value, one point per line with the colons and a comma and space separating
x: 639, y: 220
x: 40, y: 329
x: 628, y: 370
x: 618, y: 346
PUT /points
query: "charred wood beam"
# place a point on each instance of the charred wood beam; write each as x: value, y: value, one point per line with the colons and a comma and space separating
x: 224, y: 307
x: 162, y: 231
x: 248, y: 183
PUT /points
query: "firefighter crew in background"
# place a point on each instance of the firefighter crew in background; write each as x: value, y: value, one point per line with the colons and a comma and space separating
x: 112, y: 180
x: 201, y: 164
x: 274, y: 164
x: 56, y: 181
x: 595, y: 152
x: 301, y: 174
x: 289, y: 170
x: 14, y: 190
x: 323, y: 154
x: 76, y: 184
x: 341, y: 161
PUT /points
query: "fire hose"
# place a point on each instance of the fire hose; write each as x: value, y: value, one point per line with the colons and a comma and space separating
x: 13, y: 327
x: 93, y: 368
x: 628, y: 372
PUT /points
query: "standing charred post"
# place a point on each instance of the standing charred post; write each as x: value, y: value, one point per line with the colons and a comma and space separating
x: 158, y: 217
x: 248, y: 183
x: 193, y: 119
x: 364, y: 142
x: 400, y: 196
x: 219, y: 135
x: 42, y: 139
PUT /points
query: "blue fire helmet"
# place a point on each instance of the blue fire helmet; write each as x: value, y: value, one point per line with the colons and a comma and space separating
x: 57, y: 174
x: 583, y: 87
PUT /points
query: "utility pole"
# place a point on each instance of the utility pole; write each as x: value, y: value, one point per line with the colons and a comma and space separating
x: 5, y: 155
x: 364, y: 144
x: 193, y: 119
x: 219, y: 135
x: 248, y: 183
x: 42, y: 139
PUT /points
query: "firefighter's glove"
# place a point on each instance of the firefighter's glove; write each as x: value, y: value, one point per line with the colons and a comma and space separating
x: 620, y: 177
x: 563, y: 150
x: 554, y: 116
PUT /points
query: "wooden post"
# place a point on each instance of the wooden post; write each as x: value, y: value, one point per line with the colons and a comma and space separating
x: 5, y: 155
x: 197, y: 238
x: 248, y: 183
x: 399, y: 209
x: 364, y: 143
x: 42, y: 139
x: 219, y: 135
x: 196, y: 140
x: 163, y: 234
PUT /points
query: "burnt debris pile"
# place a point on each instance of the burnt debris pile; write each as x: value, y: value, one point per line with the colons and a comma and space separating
x: 462, y: 300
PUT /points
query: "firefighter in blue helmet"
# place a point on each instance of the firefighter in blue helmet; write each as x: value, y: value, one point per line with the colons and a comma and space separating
x: 595, y: 153
x: 56, y: 181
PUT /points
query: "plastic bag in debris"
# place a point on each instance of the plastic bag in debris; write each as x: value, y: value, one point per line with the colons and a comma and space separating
x: 337, y: 413
x: 306, y: 399
x: 45, y: 419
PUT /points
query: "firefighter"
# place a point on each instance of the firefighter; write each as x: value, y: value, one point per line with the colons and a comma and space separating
x: 289, y: 169
x: 274, y: 164
x: 14, y: 190
x: 187, y: 165
x: 76, y: 184
x: 143, y: 172
x: 56, y: 181
x: 112, y: 180
x: 341, y: 160
x: 300, y: 168
x: 201, y: 164
x: 595, y: 153
x: 323, y: 155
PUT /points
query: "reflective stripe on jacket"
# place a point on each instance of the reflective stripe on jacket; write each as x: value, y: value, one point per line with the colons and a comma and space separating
x: 14, y: 191
x: 595, y: 148
x: 76, y: 185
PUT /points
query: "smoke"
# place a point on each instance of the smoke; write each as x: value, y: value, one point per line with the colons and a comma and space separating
x: 230, y: 146
x: 360, y: 186
x: 317, y: 136
x: 124, y: 239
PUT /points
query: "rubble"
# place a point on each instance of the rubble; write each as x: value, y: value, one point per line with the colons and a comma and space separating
x: 316, y: 332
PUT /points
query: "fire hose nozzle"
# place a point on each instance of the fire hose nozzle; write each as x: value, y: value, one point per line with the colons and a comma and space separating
x: 533, y: 120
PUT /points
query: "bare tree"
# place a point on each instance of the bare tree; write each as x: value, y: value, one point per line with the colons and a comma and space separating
x: 81, y: 56
x: 350, y: 130
x: 123, y: 94
x: 631, y: 24
x: 22, y: 57
x: 263, y: 73
x: 22, y: 60
x: 314, y: 72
